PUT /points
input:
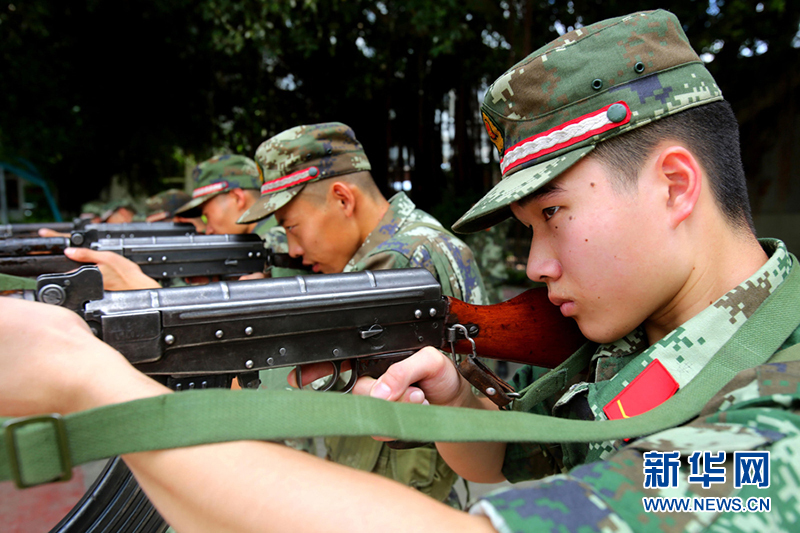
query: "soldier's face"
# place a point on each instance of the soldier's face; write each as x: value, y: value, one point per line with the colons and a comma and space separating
x: 319, y: 232
x: 603, y: 253
x: 122, y: 215
x: 221, y: 214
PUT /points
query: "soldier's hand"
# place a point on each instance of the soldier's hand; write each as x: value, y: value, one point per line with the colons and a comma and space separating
x: 119, y: 273
x: 50, y: 362
x: 47, y: 232
x: 428, y: 376
x: 254, y: 275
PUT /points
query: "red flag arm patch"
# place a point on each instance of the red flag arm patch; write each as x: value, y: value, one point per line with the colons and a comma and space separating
x: 652, y: 387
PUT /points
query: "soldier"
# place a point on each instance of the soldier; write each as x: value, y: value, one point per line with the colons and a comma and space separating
x: 317, y: 183
x: 162, y: 206
x: 621, y: 155
x: 119, y: 212
x: 92, y: 210
x: 225, y: 187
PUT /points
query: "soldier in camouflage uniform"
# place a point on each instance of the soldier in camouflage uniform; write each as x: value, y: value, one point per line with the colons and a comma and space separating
x: 162, y: 206
x: 225, y: 186
x: 556, y: 119
x: 92, y: 210
x: 318, y: 185
x: 604, y: 482
x: 637, y: 241
x: 119, y: 212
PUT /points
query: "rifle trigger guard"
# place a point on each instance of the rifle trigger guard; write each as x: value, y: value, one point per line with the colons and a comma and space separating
x: 480, y: 376
x: 329, y: 383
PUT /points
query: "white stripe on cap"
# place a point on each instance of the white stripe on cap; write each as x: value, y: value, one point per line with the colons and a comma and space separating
x: 208, y: 189
x: 562, y: 136
x: 295, y: 178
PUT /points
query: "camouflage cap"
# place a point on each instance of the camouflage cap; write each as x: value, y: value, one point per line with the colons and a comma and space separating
x: 113, y: 206
x: 301, y: 155
x: 219, y: 174
x: 550, y: 109
x: 95, y: 207
x: 167, y: 202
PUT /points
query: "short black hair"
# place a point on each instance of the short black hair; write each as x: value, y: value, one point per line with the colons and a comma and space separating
x: 711, y: 133
x: 317, y: 191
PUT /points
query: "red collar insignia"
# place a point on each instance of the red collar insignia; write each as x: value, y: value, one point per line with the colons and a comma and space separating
x: 652, y: 387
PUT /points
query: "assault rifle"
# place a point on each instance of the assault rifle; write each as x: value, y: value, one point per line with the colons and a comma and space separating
x: 160, y: 257
x: 83, y: 233
x: 200, y: 336
x: 368, y: 319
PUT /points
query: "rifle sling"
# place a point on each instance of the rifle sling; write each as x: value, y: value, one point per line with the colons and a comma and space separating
x: 15, y: 283
x: 198, y: 417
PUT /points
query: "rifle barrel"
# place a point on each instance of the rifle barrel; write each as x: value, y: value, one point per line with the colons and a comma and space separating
x: 32, y: 228
x: 32, y: 246
x: 159, y: 256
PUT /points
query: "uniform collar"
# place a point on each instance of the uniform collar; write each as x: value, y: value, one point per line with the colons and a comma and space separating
x: 688, y: 348
x: 400, y: 209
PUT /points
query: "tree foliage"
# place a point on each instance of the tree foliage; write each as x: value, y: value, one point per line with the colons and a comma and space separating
x: 96, y: 88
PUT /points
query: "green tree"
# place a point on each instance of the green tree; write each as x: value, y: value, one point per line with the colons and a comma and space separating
x: 96, y: 88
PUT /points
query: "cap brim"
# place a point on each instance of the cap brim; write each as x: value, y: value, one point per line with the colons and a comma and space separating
x: 191, y: 209
x: 493, y: 208
x: 268, y: 204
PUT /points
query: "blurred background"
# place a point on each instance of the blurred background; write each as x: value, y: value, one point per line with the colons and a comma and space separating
x: 111, y: 99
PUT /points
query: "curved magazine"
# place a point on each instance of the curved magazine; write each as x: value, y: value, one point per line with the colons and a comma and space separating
x: 115, y: 503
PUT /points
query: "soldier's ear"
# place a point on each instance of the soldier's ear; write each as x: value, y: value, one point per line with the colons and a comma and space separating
x: 240, y: 197
x: 343, y: 197
x: 680, y: 174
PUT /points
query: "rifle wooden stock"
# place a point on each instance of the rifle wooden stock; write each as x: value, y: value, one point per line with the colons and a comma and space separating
x: 527, y: 329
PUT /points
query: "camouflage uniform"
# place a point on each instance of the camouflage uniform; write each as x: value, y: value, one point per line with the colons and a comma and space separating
x: 755, y: 411
x: 405, y: 237
x: 217, y: 175
x: 223, y: 173
x: 491, y: 256
x: 95, y: 207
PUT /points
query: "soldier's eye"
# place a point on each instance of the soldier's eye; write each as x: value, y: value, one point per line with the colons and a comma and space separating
x: 548, y: 212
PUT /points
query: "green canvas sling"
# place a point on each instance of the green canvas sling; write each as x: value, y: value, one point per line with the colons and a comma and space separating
x: 41, y: 449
